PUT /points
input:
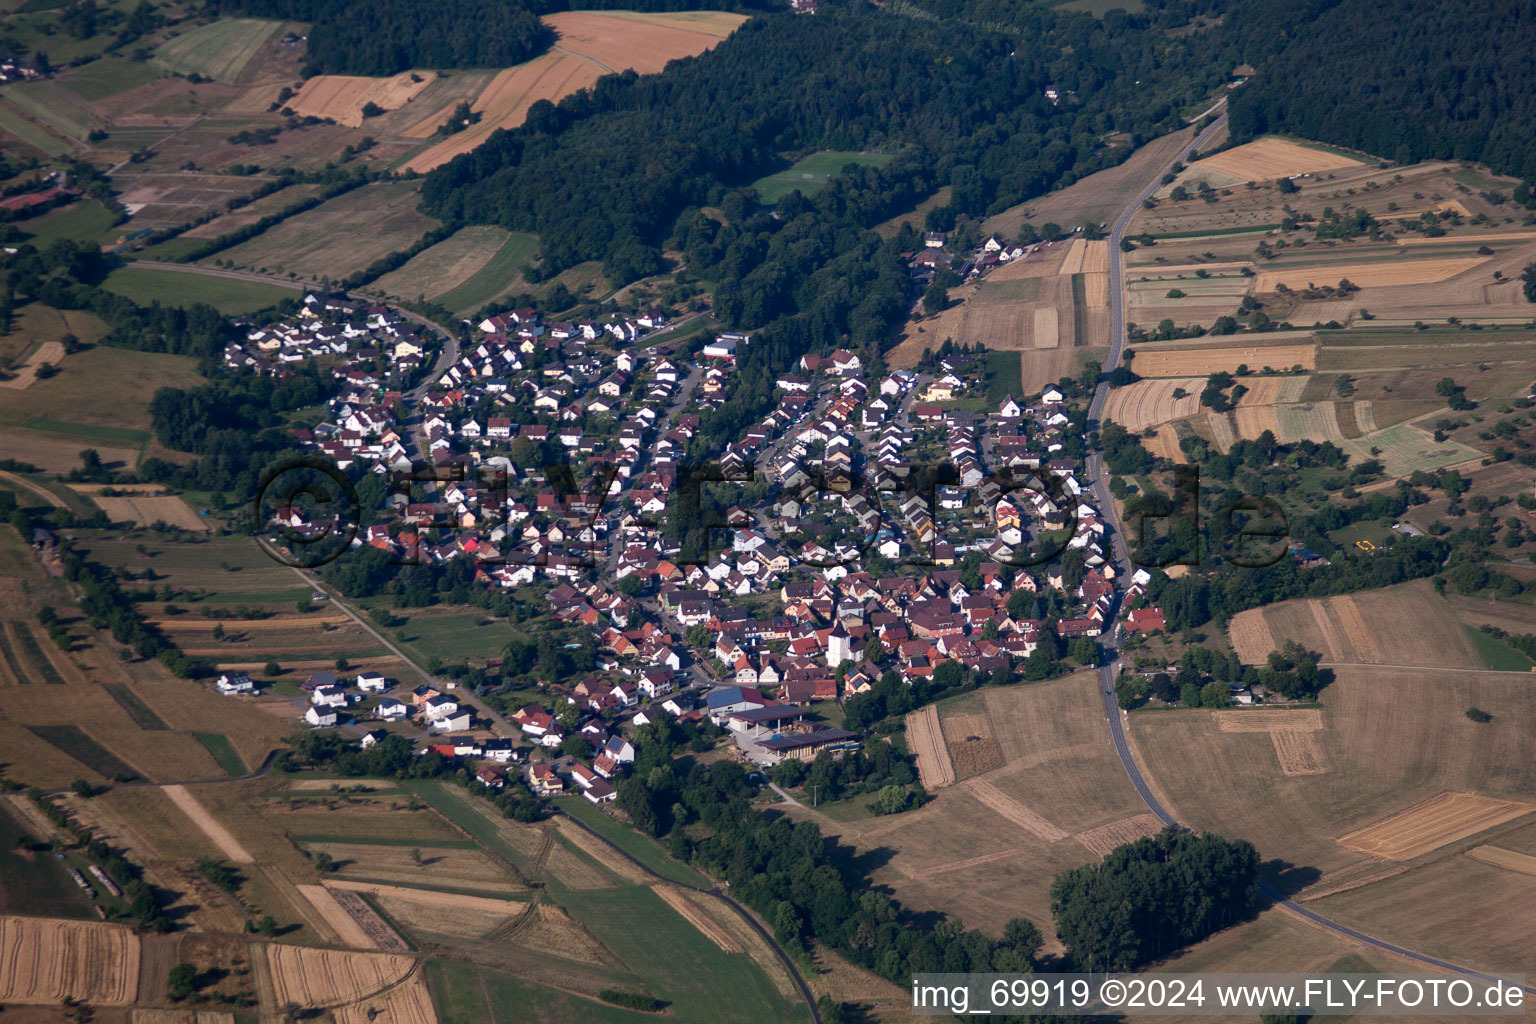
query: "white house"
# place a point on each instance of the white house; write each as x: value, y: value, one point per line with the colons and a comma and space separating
x: 233, y: 683
x: 391, y: 710
x: 320, y: 717
x: 456, y: 721
x: 437, y: 708
x: 328, y: 697
x: 370, y: 682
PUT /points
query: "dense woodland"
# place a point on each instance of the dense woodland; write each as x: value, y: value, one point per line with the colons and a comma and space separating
x: 1403, y: 79
x: 1148, y: 898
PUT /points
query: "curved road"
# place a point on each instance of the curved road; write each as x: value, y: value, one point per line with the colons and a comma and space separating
x: 1121, y: 557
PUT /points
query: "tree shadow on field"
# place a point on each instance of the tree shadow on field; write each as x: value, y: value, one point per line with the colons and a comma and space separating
x: 1286, y: 878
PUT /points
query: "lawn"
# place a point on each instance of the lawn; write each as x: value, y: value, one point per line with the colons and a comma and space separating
x: 34, y: 882
x: 223, y: 752
x: 85, y: 221
x: 1497, y: 654
x: 452, y: 635
x: 229, y: 296
x: 811, y: 173
x: 492, y: 279
x: 692, y: 329
x: 643, y: 848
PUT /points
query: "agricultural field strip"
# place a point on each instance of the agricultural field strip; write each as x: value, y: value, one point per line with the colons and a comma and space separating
x: 208, y: 825
x: 1524, y: 863
x: 1432, y: 824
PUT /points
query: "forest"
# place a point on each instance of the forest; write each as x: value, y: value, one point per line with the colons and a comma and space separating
x: 1152, y: 896
x: 1405, y: 80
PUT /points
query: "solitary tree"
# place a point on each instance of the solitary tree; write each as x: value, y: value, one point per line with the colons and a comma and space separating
x: 181, y: 982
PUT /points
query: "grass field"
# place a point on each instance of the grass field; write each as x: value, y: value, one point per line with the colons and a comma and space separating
x: 74, y: 392
x: 13, y: 121
x: 142, y: 714
x: 83, y: 221
x: 219, y: 50
x: 33, y: 882
x: 229, y: 296
x: 72, y: 740
x: 467, y: 994
x: 449, y: 270
x: 811, y: 173
x: 341, y: 236
x: 1496, y: 654
x: 650, y: 938
x: 644, y: 849
x: 107, y: 77
x: 222, y: 751
x: 1003, y: 378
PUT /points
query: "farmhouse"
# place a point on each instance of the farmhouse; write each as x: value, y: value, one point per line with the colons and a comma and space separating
x: 234, y: 683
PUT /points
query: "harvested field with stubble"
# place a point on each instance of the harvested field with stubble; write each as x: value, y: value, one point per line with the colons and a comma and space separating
x: 1436, y: 822
x: 925, y: 738
x: 1457, y: 908
x: 552, y: 931
x: 601, y: 852
x: 681, y: 901
x: 1004, y: 806
x: 591, y: 44
x: 574, y: 870
x: 1524, y: 863
x: 1292, y: 731
x: 985, y: 850
x: 972, y: 748
x: 1147, y: 403
x: 644, y: 42
x: 505, y: 103
x: 352, y: 919
x: 1269, y: 158
x: 439, y: 865
x: 342, y: 97
x: 1407, y: 624
x: 1393, y: 738
x: 1374, y: 274
x: 326, y: 240
x: 143, y: 511
x: 406, y: 1003
x: 1181, y: 359
x: 328, y: 977
x: 43, y: 961
x: 1105, y: 838
x: 435, y: 915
